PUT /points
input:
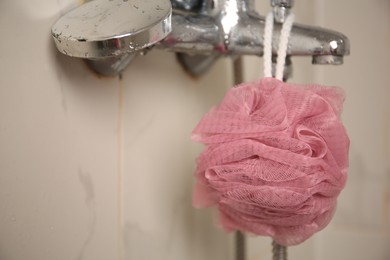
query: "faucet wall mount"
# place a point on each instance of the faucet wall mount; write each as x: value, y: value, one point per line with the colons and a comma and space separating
x: 110, y: 33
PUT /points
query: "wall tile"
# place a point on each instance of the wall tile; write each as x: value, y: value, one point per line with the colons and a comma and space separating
x: 159, y: 159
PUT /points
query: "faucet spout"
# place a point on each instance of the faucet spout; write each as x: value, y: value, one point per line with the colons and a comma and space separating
x: 103, y: 32
x: 232, y: 27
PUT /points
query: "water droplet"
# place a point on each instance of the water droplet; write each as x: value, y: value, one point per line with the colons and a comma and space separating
x: 13, y: 219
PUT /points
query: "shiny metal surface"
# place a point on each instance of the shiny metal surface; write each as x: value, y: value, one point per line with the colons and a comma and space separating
x: 187, y: 4
x: 279, y: 252
x: 107, y: 28
x: 233, y: 27
x: 196, y: 65
x: 285, y: 3
x: 281, y: 9
x: 201, y: 30
x: 111, y: 66
x: 328, y: 59
x: 288, y: 68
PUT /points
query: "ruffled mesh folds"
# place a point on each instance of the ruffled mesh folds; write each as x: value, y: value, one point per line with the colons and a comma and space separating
x: 275, y: 160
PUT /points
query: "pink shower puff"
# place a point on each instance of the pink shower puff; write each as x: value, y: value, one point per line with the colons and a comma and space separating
x: 276, y: 158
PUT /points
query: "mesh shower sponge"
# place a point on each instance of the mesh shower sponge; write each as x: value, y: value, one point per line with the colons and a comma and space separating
x: 275, y: 160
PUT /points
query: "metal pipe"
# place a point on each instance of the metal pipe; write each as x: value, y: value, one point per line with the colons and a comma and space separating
x: 239, y: 238
x: 279, y: 251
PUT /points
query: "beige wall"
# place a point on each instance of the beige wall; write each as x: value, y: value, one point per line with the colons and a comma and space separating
x: 361, y: 226
x: 96, y: 168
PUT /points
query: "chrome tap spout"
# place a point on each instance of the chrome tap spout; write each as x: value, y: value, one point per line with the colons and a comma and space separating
x: 111, y: 32
x: 233, y: 27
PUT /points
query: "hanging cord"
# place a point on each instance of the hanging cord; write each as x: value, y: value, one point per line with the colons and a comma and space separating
x: 267, y: 56
x: 282, y: 47
x: 279, y: 252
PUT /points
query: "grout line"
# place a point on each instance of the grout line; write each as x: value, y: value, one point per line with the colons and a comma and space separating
x: 120, y: 173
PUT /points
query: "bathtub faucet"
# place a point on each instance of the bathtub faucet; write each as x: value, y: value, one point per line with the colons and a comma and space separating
x: 110, y: 33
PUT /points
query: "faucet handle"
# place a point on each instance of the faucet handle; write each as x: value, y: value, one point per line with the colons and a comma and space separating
x: 109, y: 28
x: 281, y: 9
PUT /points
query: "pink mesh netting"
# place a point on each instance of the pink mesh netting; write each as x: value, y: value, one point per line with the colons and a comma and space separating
x: 275, y: 160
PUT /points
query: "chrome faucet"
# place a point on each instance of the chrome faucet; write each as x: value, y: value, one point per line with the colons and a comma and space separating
x: 111, y: 32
